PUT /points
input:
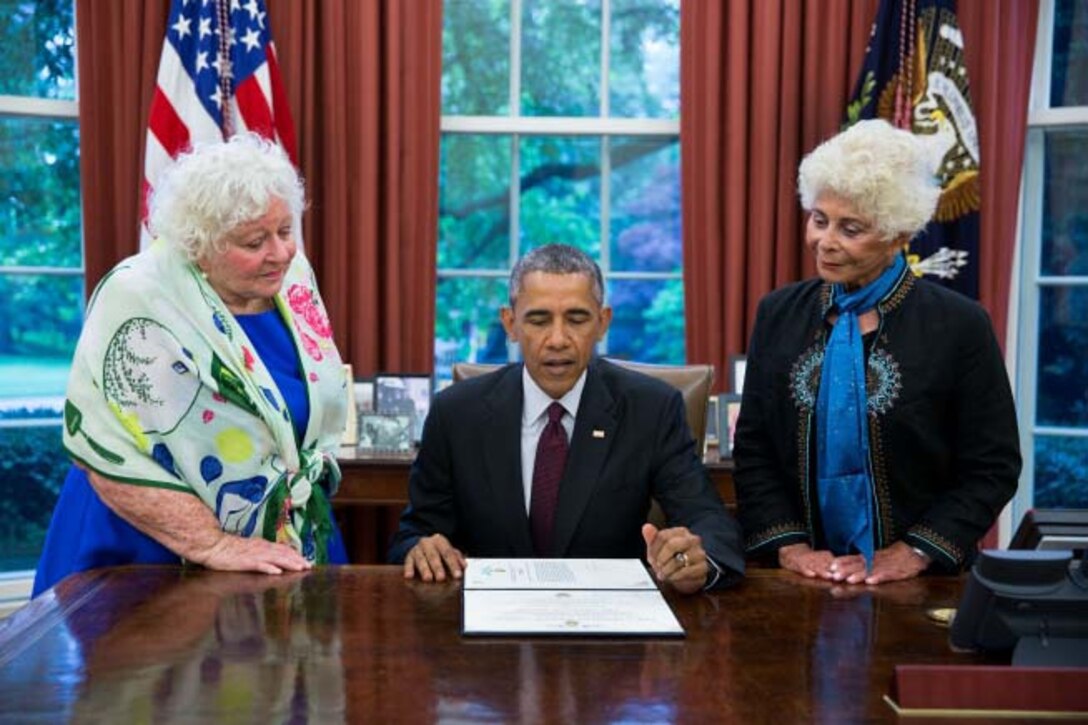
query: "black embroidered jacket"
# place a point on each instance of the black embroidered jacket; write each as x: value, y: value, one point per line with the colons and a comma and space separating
x: 944, y: 447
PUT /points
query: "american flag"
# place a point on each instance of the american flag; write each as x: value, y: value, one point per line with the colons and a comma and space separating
x: 217, y: 76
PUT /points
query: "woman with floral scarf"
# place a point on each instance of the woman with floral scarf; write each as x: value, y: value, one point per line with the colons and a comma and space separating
x: 206, y: 396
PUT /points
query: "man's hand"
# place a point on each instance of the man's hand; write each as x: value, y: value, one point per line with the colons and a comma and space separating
x: 431, y: 557
x: 237, y: 553
x: 677, y: 557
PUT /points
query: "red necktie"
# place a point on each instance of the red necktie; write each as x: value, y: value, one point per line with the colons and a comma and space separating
x: 551, y: 458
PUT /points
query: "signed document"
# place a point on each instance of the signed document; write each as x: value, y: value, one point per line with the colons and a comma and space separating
x: 587, y: 597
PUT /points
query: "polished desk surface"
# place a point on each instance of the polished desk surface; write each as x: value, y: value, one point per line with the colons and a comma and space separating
x: 355, y: 644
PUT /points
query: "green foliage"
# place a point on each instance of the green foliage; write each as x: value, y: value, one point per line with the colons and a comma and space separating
x: 561, y: 48
x: 40, y: 315
x: 39, y: 193
x: 1061, y: 472
x: 665, y: 325
x: 559, y: 186
x: 37, y: 48
x: 634, y: 90
x: 476, y: 57
x: 32, y: 468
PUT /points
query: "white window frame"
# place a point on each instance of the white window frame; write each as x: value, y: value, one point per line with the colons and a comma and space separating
x: 15, y: 586
x: 1024, y: 324
x: 516, y: 126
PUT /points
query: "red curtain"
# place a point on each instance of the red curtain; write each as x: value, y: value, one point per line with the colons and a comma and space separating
x: 999, y: 40
x: 762, y: 84
x: 364, y: 85
x: 363, y: 80
x: 117, y: 48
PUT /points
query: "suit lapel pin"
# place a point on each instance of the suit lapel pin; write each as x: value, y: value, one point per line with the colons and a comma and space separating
x: 597, y: 433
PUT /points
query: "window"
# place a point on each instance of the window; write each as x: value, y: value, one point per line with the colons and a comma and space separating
x: 41, y: 275
x: 560, y: 124
x: 1052, y: 380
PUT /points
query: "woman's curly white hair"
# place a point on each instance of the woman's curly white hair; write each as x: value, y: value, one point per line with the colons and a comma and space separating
x: 886, y: 173
x: 212, y: 189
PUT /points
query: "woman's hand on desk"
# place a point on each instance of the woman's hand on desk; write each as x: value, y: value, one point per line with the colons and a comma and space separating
x: 235, y: 553
x: 802, y: 559
x: 182, y: 523
x: 432, y: 557
x: 899, y: 561
x: 895, y: 563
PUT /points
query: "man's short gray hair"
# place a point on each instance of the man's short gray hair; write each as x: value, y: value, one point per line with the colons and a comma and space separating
x: 556, y: 259
x: 215, y: 187
x: 885, y: 173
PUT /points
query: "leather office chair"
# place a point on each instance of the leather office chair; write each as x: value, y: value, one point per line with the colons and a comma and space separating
x: 693, y: 382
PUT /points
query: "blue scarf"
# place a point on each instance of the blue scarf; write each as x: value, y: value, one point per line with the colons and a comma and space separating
x: 844, y: 482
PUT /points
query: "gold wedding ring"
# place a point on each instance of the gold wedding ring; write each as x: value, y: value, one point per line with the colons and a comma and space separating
x: 682, y: 558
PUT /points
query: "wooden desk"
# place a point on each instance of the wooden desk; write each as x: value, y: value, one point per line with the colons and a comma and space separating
x: 374, y: 490
x: 359, y: 644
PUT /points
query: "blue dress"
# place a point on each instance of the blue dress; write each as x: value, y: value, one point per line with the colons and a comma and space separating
x: 85, y: 534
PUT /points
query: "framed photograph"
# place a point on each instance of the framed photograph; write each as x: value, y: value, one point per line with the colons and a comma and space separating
x: 350, y: 436
x: 380, y: 433
x: 736, y: 372
x: 729, y: 411
x: 711, y: 422
x: 404, y: 395
x: 364, y: 395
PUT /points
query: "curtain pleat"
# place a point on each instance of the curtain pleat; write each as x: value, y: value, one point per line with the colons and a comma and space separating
x: 761, y: 85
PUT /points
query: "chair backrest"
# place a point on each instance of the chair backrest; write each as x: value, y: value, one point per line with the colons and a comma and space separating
x: 693, y: 382
x: 465, y: 370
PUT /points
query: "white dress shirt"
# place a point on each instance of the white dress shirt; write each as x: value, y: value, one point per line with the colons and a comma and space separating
x: 534, y: 416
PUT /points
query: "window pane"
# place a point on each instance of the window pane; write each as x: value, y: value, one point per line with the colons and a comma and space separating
x: 1065, y: 204
x: 645, y: 208
x: 467, y: 326
x: 647, y: 320
x: 40, y: 317
x: 32, y: 468
x: 1063, y: 357
x: 644, y: 77
x: 474, y: 205
x: 561, y: 58
x: 561, y: 192
x: 476, y: 58
x: 1069, y: 72
x: 37, y: 48
x: 39, y: 193
x: 1061, y: 468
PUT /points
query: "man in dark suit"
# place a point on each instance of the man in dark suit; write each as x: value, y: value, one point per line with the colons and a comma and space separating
x: 561, y: 455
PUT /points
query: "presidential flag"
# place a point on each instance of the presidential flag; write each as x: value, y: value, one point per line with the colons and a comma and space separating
x: 915, y: 78
x: 217, y: 76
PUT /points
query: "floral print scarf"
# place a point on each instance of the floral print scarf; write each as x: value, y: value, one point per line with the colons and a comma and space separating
x: 166, y: 390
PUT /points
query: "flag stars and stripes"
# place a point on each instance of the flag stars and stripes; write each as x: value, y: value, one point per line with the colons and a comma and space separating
x: 181, y: 27
x: 218, y: 75
x: 252, y: 39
